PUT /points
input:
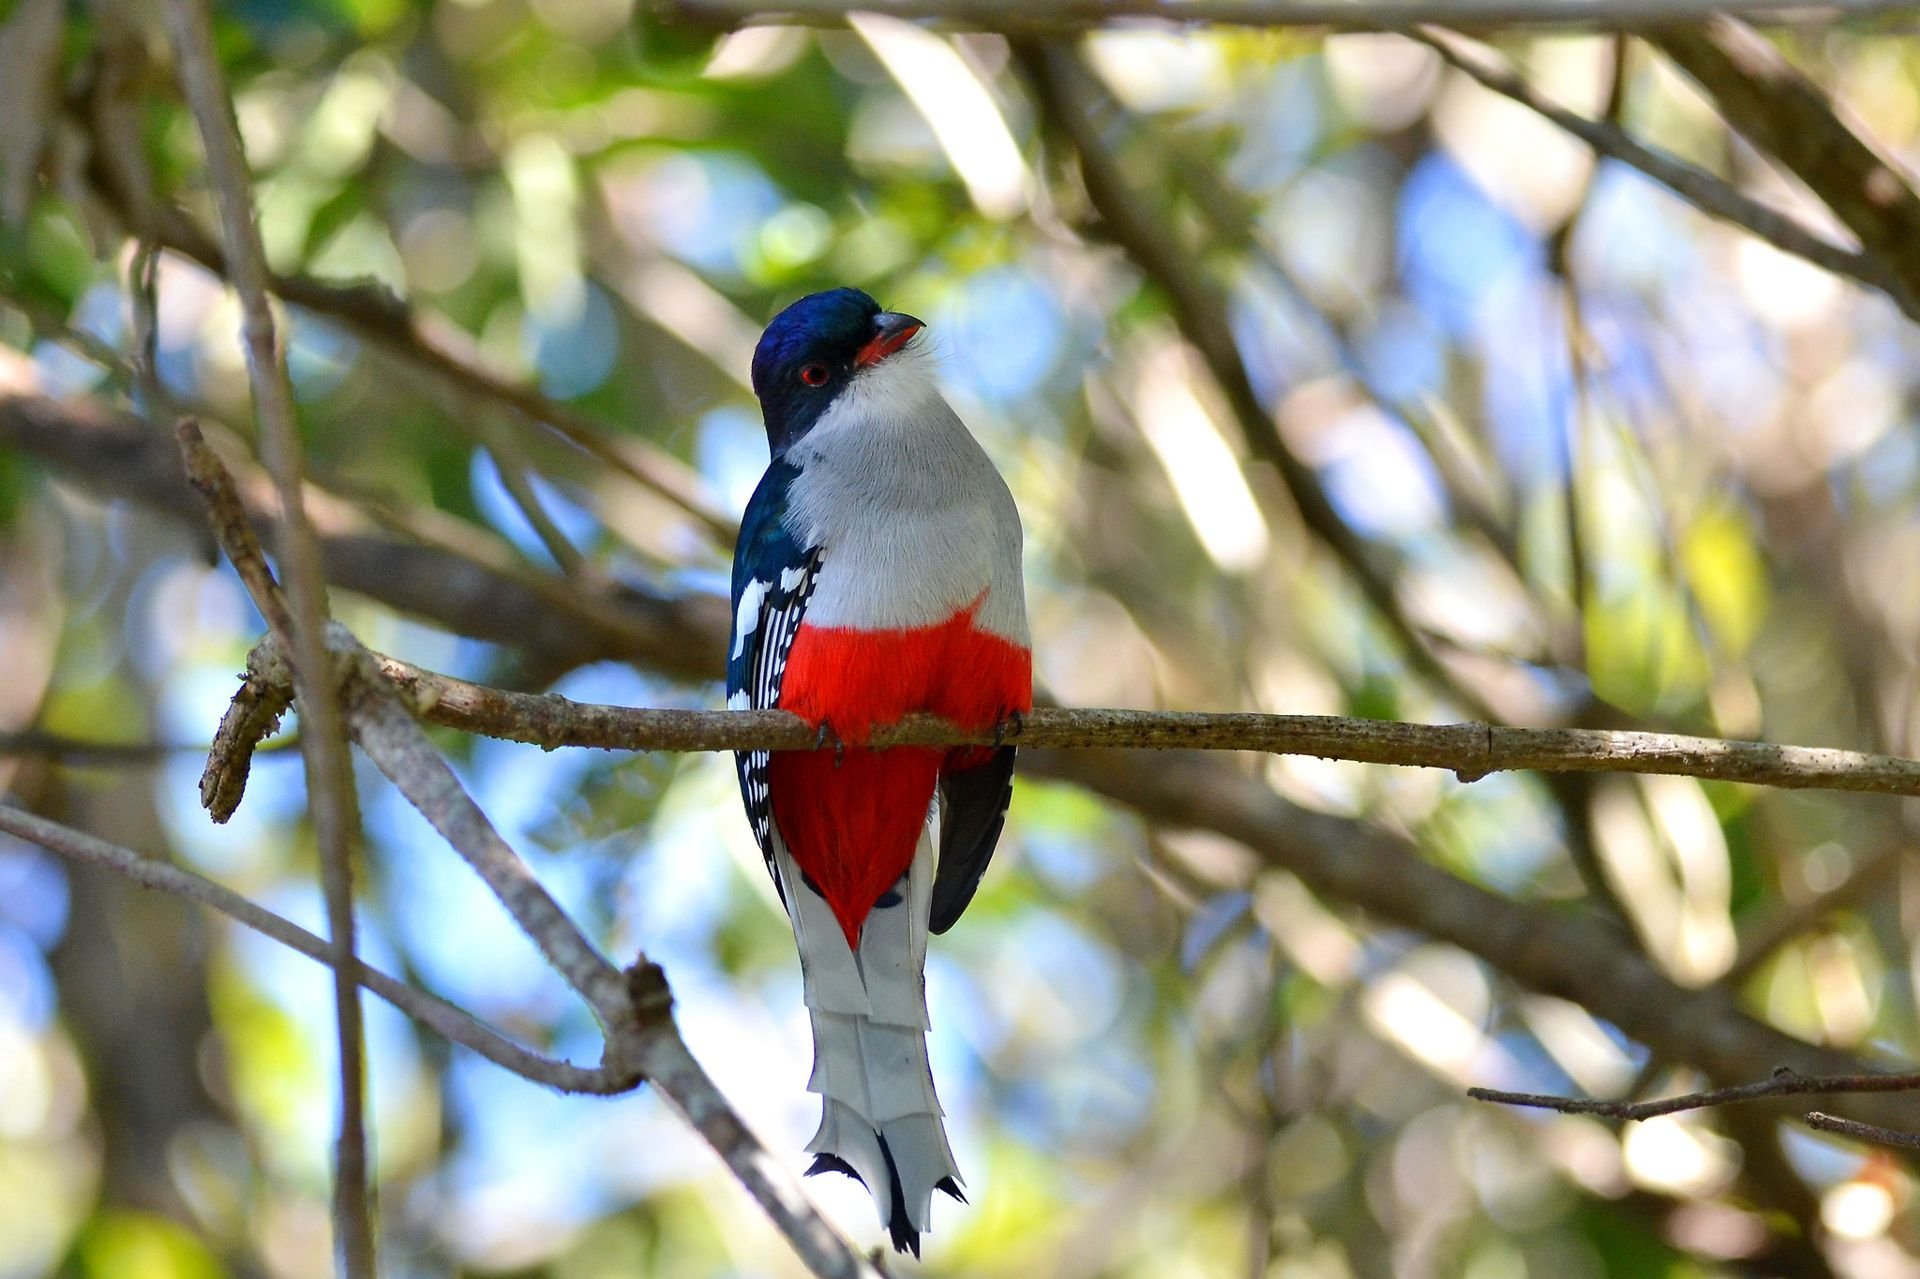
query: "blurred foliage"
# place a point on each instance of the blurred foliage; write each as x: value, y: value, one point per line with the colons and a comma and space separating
x: 1658, y: 475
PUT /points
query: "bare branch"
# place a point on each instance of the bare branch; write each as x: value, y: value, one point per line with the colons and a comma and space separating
x: 1784, y: 1082
x: 1469, y: 750
x: 429, y: 1010
x: 1703, y: 190
x: 1865, y: 1132
x: 1065, y: 17
x: 400, y: 749
x: 1791, y: 119
x: 298, y: 619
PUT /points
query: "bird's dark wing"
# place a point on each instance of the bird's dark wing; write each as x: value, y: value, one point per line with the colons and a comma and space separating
x: 973, y: 805
x: 773, y: 575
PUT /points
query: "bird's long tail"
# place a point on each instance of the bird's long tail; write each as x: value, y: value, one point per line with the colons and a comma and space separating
x: 880, y: 1120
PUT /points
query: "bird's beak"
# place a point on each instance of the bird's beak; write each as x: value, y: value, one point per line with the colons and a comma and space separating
x: 891, y: 331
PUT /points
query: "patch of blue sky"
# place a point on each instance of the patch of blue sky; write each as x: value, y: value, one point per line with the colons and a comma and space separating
x: 577, y: 524
x: 529, y: 1158
x: 319, y: 357
x: 1283, y: 123
x: 34, y: 895
x: 1383, y: 483
x: 102, y: 313
x: 1456, y: 245
x: 303, y: 989
x: 1528, y: 388
x: 1209, y: 923
x: 707, y: 208
x: 60, y: 371
x: 1521, y: 1064
x: 1059, y: 984
x: 1886, y: 472
x: 730, y: 450
x: 1281, y: 341
x: 27, y: 996
x: 177, y: 364
x: 574, y: 349
x: 454, y: 929
x: 429, y: 646
x: 189, y: 703
x: 1735, y: 363
x: 1621, y: 326
x: 1631, y: 236
x: 1402, y: 354
x: 1066, y: 861
x: 679, y: 880
x: 1822, y: 1160
x: 1002, y: 331
x: 177, y: 603
x: 1095, y: 1098
x: 276, y: 796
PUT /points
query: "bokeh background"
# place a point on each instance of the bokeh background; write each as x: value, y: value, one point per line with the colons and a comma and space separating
x: 1327, y: 381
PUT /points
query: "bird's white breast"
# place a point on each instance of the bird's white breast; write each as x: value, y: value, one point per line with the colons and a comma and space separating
x: 913, y: 522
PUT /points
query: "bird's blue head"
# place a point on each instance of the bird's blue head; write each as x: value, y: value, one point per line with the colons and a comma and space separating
x: 813, y: 350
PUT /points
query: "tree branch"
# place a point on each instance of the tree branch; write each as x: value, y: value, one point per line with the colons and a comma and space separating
x: 1066, y: 17
x: 429, y: 1010
x: 300, y: 619
x: 1703, y: 190
x: 1784, y: 1082
x: 1790, y: 118
x: 1469, y: 750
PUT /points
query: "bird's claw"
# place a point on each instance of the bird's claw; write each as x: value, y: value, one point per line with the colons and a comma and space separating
x: 1012, y: 722
x: 825, y: 734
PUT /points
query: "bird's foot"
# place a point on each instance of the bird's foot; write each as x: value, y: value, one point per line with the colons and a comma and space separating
x: 1013, y: 722
x: 825, y: 734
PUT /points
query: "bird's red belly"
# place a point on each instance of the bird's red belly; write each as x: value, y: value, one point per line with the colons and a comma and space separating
x: 852, y: 819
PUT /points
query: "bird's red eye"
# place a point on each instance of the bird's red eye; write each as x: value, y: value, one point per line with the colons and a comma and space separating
x: 813, y: 374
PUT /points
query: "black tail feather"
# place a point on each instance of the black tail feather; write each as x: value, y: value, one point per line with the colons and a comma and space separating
x: 905, y: 1237
x: 834, y: 1163
x: 952, y: 1187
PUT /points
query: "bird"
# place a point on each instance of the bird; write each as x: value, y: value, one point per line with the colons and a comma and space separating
x: 877, y: 574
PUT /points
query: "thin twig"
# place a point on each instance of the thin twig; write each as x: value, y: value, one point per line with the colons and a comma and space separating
x: 1793, y: 121
x: 1703, y: 190
x: 1066, y: 17
x: 332, y: 802
x: 1784, y: 1082
x: 429, y: 1010
x: 1865, y: 1132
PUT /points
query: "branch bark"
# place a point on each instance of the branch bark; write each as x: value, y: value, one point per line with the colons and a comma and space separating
x: 1703, y: 190
x: 1791, y: 119
x: 1065, y: 17
x: 429, y: 1010
x: 1469, y: 750
x: 299, y: 619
